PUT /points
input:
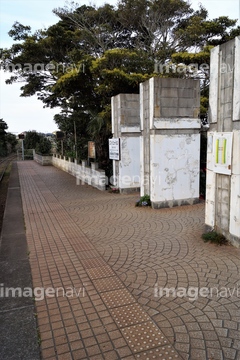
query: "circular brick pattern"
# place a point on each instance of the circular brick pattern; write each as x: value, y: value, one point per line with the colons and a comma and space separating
x: 145, y: 247
x: 162, y: 353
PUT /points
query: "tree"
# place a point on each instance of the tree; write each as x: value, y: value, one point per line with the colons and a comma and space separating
x: 11, y: 142
x: 67, y: 120
x: 3, y: 142
x: 154, y: 23
x: 205, y: 34
x: 118, y: 70
x: 8, y: 141
x: 44, y: 146
x: 99, y: 29
x: 31, y: 140
x: 94, y: 53
x: 85, y: 33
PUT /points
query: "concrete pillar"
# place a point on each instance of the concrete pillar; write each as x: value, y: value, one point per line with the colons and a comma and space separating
x: 145, y: 138
x: 170, y: 141
x: 126, y: 126
x: 223, y: 173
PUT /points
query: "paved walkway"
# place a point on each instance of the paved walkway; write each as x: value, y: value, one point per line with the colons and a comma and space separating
x: 18, y: 334
x: 112, y: 259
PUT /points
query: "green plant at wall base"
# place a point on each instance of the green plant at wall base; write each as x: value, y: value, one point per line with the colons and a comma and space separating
x: 144, y: 201
x: 215, y: 238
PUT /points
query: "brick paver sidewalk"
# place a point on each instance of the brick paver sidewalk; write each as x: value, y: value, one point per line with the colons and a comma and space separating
x: 117, y: 258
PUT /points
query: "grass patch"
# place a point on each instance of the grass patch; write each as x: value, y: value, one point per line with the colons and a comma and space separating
x: 215, y: 238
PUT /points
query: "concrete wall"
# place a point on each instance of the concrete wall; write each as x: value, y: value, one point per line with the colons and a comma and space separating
x: 126, y: 126
x: 170, y: 141
x: 224, y: 110
x: 84, y: 174
x: 174, y: 169
x: 42, y: 159
x: 223, y: 177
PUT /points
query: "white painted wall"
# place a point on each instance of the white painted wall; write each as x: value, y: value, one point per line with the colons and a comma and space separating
x: 89, y: 175
x: 211, y: 194
x: 42, y: 159
x: 210, y: 184
x: 236, y: 90
x: 235, y: 187
x: 177, y: 123
x: 225, y: 111
x: 170, y: 141
x: 129, y: 165
x: 214, y: 84
x: 210, y: 199
x: 174, y: 167
x: 126, y: 126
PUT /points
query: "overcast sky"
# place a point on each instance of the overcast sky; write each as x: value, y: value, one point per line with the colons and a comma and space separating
x: 23, y: 114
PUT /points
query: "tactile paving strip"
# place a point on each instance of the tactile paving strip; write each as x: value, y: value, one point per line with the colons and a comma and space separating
x: 93, y: 263
x: 100, y: 272
x: 117, y: 298
x: 144, y: 336
x: 129, y: 315
x: 108, y: 284
x: 161, y: 353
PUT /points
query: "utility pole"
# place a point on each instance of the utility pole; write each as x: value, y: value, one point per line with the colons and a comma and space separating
x: 23, y: 149
x: 21, y: 137
x: 75, y: 138
x: 68, y: 110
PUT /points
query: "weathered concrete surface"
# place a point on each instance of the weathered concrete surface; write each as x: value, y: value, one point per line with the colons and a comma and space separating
x: 170, y: 141
x: 18, y: 328
x: 44, y: 160
x: 223, y: 177
x: 126, y: 126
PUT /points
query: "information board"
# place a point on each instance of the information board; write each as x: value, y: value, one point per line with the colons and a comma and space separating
x: 91, y: 150
x: 114, y: 149
x: 222, y: 153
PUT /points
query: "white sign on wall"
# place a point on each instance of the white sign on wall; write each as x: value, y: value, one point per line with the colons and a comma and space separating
x: 114, y: 149
x: 222, y: 153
